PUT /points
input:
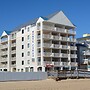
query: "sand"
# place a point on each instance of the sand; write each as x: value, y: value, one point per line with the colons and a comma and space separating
x: 49, y: 84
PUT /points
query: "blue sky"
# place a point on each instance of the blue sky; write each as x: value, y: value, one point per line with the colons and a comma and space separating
x: 16, y: 12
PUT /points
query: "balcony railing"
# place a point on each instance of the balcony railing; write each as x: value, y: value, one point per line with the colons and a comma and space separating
x: 65, y: 47
x: 13, y: 59
x: 73, y: 63
x: 46, y: 36
x: 63, y: 55
x: 13, y: 44
x: 3, y: 59
x: 13, y: 51
x: 73, y: 47
x: 73, y: 55
x: 38, y: 63
x: 45, y: 27
x: 4, y: 52
x: 60, y: 30
x: 4, y: 46
x: 72, y: 39
x: 38, y: 54
x: 86, y: 52
x: 71, y: 32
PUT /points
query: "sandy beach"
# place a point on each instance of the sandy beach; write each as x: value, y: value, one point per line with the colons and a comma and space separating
x: 49, y: 84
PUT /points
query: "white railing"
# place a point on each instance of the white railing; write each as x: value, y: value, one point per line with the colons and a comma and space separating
x: 65, y: 47
x: 72, y: 39
x: 38, y: 63
x: 56, y: 37
x: 3, y: 59
x: 60, y: 30
x: 73, y: 64
x: 64, y: 64
x: 57, y: 63
x: 64, y: 55
x: 46, y: 44
x: 13, y: 59
x: 48, y: 63
x: 56, y: 45
x: 38, y: 45
x: 46, y: 36
x: 4, y: 53
x: 73, y: 47
x: 47, y: 53
x: 64, y: 38
x: 13, y: 51
x: 3, y: 46
x: 13, y: 44
x: 38, y: 36
x: 71, y: 32
x: 46, y: 27
x: 73, y: 55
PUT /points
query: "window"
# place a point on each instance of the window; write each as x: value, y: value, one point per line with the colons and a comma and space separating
x: 22, y: 38
x: 28, y: 45
x: 22, y: 54
x: 22, y: 31
x: 28, y: 53
x: 28, y: 37
x: 28, y: 61
x: 22, y: 62
x: 22, y: 46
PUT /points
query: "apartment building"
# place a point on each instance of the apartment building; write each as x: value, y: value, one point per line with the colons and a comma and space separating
x: 43, y: 44
x: 84, y: 52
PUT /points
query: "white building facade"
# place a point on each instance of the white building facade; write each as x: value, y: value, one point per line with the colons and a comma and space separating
x: 44, y: 44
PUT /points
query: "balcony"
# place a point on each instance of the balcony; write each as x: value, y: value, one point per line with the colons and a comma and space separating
x: 4, y: 46
x: 47, y: 54
x: 73, y: 55
x: 61, y: 30
x: 64, y: 39
x: 46, y: 36
x: 56, y: 63
x: 38, y: 36
x: 73, y: 63
x: 4, y: 53
x: 38, y: 54
x: 46, y: 45
x: 64, y: 63
x: 13, y: 59
x: 48, y: 63
x: 63, y: 55
x: 65, y: 47
x: 86, y: 53
x: 13, y: 45
x: 73, y: 47
x: 3, y: 65
x: 55, y: 37
x: 47, y: 27
x: 71, y: 32
x: 38, y: 63
x: 72, y: 39
x: 13, y: 51
x: 3, y: 59
x: 13, y: 65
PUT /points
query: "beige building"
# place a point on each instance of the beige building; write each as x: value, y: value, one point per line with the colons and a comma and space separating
x: 44, y: 44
